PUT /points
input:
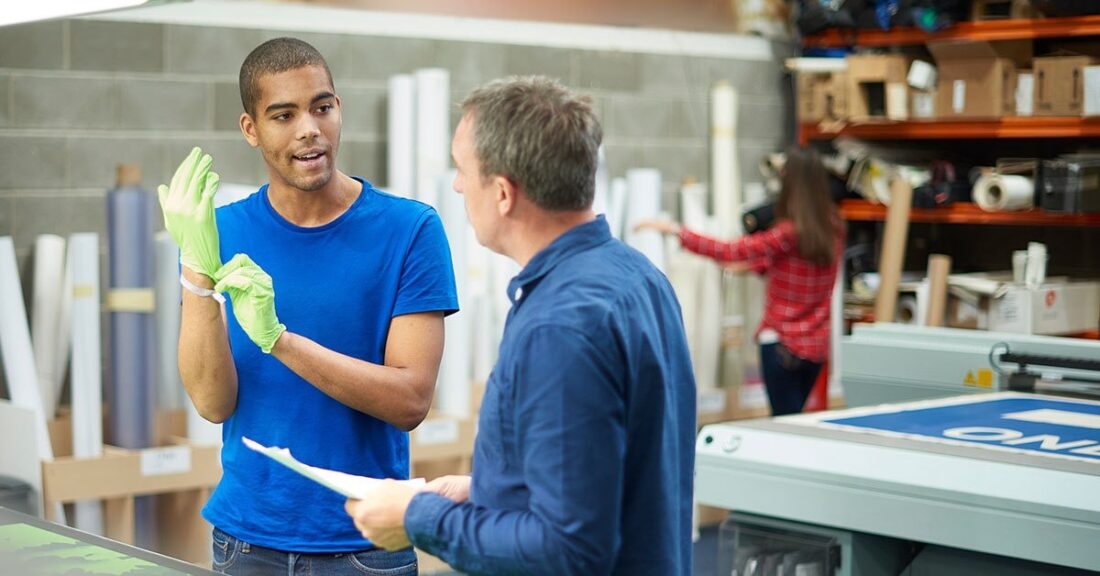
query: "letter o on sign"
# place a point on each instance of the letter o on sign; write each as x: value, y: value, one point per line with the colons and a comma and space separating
x: 982, y: 434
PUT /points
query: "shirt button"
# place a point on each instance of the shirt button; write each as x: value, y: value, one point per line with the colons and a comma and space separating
x: 519, y: 293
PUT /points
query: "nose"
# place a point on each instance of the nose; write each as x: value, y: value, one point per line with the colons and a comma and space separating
x: 308, y: 127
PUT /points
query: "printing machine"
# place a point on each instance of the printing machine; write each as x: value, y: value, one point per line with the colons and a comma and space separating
x: 939, y: 480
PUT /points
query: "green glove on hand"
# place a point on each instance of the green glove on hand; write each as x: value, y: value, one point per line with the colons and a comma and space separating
x: 188, y: 206
x: 253, y: 298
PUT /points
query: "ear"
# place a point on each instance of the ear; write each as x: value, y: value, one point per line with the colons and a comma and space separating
x: 506, y: 195
x: 248, y: 128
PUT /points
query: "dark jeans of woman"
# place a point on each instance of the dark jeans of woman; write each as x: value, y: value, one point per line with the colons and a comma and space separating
x: 787, y: 378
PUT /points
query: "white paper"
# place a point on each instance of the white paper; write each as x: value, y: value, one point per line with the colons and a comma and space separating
x: 1004, y: 192
x: 725, y: 172
x: 349, y: 485
x: 616, y: 209
x: 455, y: 369
x: 958, y: 96
x: 644, y: 203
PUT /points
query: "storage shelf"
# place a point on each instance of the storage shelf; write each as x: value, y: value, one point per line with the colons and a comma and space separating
x: 1020, y: 29
x: 967, y: 213
x: 1012, y: 127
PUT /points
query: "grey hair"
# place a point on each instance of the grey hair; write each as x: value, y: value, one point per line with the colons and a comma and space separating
x: 538, y: 134
x: 272, y: 57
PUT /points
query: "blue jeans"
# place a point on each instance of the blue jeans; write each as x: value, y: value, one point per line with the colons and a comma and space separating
x: 788, y: 379
x: 232, y: 556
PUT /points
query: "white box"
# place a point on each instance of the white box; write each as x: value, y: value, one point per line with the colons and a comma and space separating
x: 1056, y: 308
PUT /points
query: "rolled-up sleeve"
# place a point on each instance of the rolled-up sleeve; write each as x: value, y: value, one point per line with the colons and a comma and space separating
x: 569, y: 419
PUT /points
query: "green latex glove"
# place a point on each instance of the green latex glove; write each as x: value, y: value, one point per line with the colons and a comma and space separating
x: 253, y: 298
x: 188, y: 206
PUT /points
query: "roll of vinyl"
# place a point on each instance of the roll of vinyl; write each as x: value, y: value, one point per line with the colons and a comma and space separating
x: 616, y: 210
x: 453, y: 386
x: 1035, y: 272
x: 601, y: 198
x: 433, y: 131
x: 401, y: 136
x: 87, y: 385
x: 169, y: 387
x: 693, y: 205
x: 645, y: 204
x: 1004, y: 192
x: 49, y: 272
x: 725, y: 171
x: 132, y: 389
x: 479, y: 271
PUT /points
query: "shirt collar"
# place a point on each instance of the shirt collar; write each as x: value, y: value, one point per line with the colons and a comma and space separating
x: 575, y: 240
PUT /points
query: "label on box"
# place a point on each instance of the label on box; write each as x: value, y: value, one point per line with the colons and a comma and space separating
x: 711, y: 401
x: 164, y: 461
x: 436, y: 431
x: 1092, y: 91
x: 958, y: 96
x: 924, y: 105
x: 1025, y: 97
x: 897, y: 101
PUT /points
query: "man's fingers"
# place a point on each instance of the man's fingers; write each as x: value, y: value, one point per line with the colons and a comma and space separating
x: 183, y: 172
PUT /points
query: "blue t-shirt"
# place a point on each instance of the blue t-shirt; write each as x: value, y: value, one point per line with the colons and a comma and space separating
x: 339, y: 285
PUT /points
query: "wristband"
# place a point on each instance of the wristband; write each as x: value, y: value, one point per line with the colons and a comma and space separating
x: 199, y: 291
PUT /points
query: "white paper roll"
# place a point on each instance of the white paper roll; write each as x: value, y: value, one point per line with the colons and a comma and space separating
x: 645, y: 204
x: 1035, y: 272
x: 401, y: 136
x: 433, y: 131
x: 87, y: 369
x: 1004, y: 192
x: 725, y: 171
x: 453, y: 385
x: 693, y: 205
x: 907, y: 311
x: 49, y: 271
x: 601, y: 198
x: 616, y: 211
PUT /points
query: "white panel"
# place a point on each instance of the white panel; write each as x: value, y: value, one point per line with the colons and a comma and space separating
x: 49, y: 264
x: 87, y: 370
x: 433, y: 131
x: 401, y: 140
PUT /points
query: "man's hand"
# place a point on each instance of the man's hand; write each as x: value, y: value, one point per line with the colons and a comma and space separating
x: 188, y: 207
x: 663, y: 226
x: 253, y: 297
x: 456, y: 488
x: 380, y: 515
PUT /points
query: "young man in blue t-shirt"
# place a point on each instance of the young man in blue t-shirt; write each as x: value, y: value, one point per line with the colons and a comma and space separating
x: 331, y: 339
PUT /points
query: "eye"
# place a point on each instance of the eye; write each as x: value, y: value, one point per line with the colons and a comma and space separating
x: 324, y: 108
x: 281, y: 117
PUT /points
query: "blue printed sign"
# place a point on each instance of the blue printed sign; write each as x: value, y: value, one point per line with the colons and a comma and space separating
x: 1033, y: 424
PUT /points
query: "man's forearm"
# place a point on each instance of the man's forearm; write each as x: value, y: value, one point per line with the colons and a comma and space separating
x: 394, y: 394
x: 205, y: 362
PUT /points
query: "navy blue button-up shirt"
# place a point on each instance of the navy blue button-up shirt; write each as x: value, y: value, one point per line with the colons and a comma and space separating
x: 584, y: 457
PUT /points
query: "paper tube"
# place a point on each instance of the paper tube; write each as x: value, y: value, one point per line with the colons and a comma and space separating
x: 906, y: 310
x: 49, y: 265
x: 644, y: 203
x: 892, y: 256
x: 433, y: 131
x: 87, y: 383
x: 401, y: 138
x: 939, y: 267
x: 1004, y: 192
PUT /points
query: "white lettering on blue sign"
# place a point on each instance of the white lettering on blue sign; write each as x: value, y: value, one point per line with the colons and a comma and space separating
x: 1009, y: 437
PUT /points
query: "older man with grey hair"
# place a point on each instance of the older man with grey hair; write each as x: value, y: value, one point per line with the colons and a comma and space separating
x: 584, y: 456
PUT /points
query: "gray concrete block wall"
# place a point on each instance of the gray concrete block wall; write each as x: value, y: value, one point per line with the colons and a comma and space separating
x: 79, y: 97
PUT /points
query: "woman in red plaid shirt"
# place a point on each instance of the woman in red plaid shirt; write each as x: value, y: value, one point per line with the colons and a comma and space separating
x: 798, y: 255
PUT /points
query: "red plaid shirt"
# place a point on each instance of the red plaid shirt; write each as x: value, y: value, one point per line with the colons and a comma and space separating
x: 798, y: 291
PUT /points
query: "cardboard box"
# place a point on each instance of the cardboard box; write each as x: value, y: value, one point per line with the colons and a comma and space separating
x: 987, y: 301
x: 1060, y: 85
x: 923, y: 106
x: 1065, y: 308
x: 977, y: 79
x: 878, y: 87
x: 822, y: 96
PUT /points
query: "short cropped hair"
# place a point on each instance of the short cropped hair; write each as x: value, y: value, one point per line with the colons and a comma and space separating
x: 271, y: 57
x: 540, y: 135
